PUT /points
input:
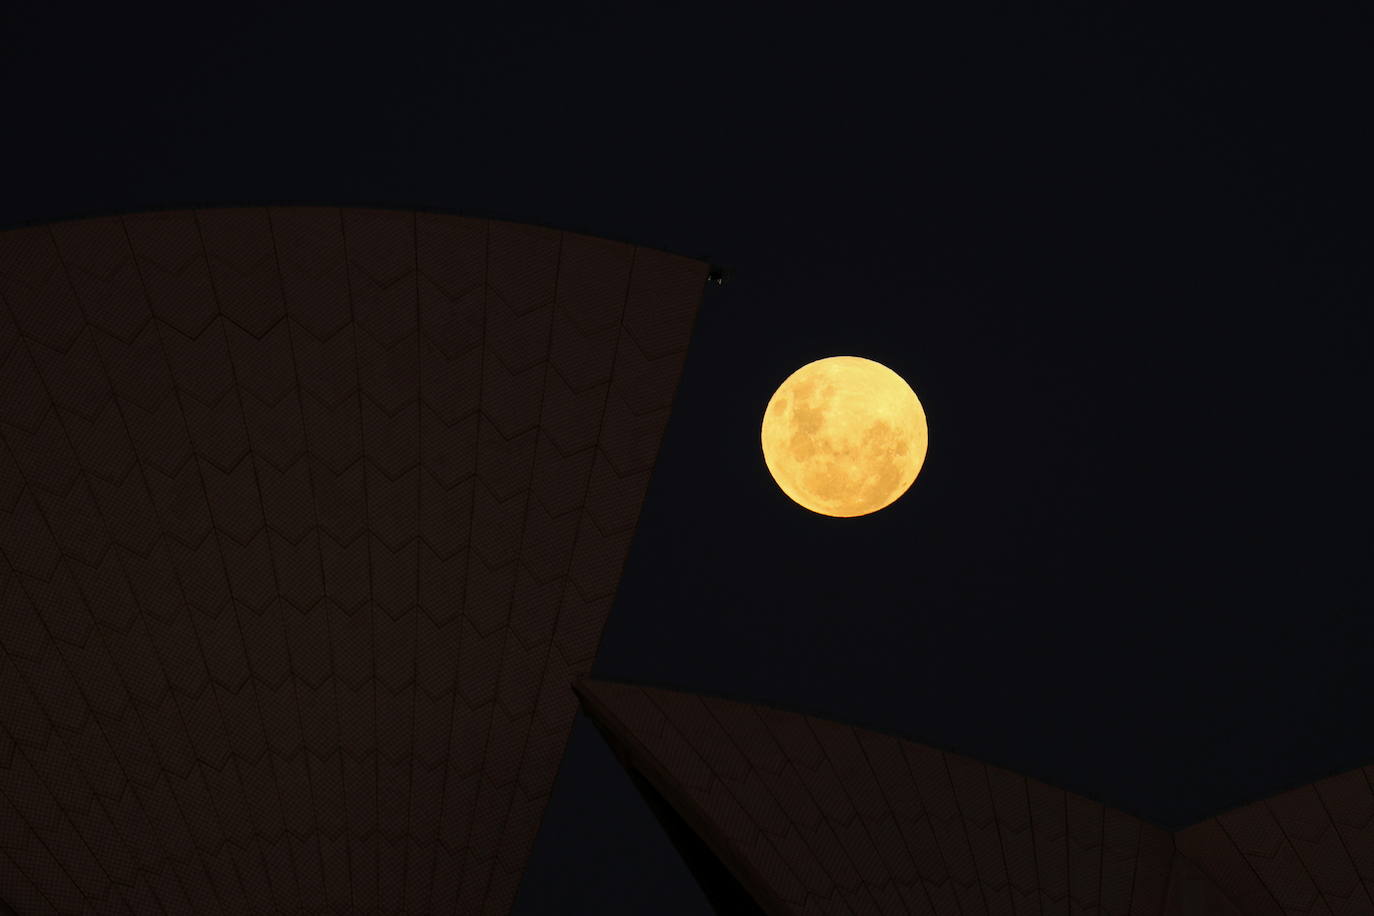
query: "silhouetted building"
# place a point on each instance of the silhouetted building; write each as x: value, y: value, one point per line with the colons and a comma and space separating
x: 309, y: 517
x: 778, y: 812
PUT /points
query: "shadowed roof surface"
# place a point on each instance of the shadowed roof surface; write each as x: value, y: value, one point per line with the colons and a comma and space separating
x: 815, y: 816
x: 309, y: 517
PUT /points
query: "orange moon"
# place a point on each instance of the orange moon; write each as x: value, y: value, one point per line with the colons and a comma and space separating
x: 844, y: 436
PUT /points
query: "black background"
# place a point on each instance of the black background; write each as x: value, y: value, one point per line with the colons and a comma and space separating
x: 1122, y: 255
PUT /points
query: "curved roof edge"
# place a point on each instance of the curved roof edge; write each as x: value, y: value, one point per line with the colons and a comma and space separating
x: 812, y: 813
x: 832, y: 716
x: 172, y: 206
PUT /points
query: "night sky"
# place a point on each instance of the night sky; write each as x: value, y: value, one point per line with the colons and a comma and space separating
x: 1122, y: 257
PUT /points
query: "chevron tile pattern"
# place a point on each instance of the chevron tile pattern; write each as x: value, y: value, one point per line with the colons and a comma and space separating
x: 309, y: 517
x: 1309, y: 850
x: 819, y: 817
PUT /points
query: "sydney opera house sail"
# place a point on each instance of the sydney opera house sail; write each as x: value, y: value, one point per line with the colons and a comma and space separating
x: 309, y: 518
x: 806, y: 815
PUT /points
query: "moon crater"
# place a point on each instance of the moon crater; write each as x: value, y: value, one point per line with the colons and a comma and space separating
x: 844, y: 436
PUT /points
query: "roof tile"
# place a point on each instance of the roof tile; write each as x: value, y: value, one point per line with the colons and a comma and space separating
x: 131, y: 747
x: 91, y: 666
x: 300, y: 576
x: 53, y: 686
x: 44, y: 456
x: 393, y: 506
x: 221, y: 530
x: 310, y: 256
x: 96, y: 759
x: 613, y: 499
x: 451, y: 251
x: 395, y: 576
x: 441, y: 584
x: 164, y: 728
x: 23, y: 402
x: 105, y: 591
x: 204, y: 727
x: 252, y: 872
x: 22, y: 631
x: 234, y: 499
x: 393, y: 650
x: 281, y: 718
x: 101, y: 443
x: 217, y: 431
x: 179, y: 499
x: 504, y: 465
x: 450, y: 384
x: 243, y: 266
x: 487, y: 594
x: 479, y: 664
x: 449, y: 452
x: 661, y: 304
x: 628, y: 440
x: 535, y: 607
x: 172, y: 265
x: 340, y: 500
x: 276, y: 854
x: 200, y: 364
x: 331, y: 798
x: 128, y: 511
x: 327, y: 368
x: 388, y: 372
x: 137, y: 369
x: 307, y: 646
x: 252, y: 579
x: 522, y: 264
x: 227, y: 789
x: 100, y: 266
x: 445, y: 514
x: 33, y: 282
x: 334, y: 858
x: 164, y: 817
x: 73, y: 377
x: 225, y: 878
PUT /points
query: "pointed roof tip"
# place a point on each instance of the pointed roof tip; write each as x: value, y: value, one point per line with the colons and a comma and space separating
x: 253, y: 269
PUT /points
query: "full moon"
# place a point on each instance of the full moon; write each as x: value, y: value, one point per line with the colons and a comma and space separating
x: 844, y: 436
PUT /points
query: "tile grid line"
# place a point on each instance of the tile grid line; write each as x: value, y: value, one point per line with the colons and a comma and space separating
x: 1135, y: 863
x: 1035, y: 852
x: 591, y: 467
x: 371, y: 607
x: 271, y: 555
x: 461, y: 617
x: 814, y: 849
x: 1368, y: 774
x: 1246, y: 859
x: 19, y: 749
x: 1355, y: 865
x: 896, y: 824
x: 18, y: 579
x: 963, y: 826
x: 319, y: 555
x: 1269, y: 809
x: 515, y: 578
x: 825, y: 755
x: 419, y: 524
x: 155, y: 323
x: 926, y: 811
x: 749, y: 760
x: 1068, y: 851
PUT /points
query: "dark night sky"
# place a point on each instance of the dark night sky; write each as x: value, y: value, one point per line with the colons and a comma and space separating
x: 1122, y: 257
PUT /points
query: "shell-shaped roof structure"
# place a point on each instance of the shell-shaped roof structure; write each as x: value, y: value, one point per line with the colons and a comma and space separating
x: 798, y: 814
x: 309, y: 517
